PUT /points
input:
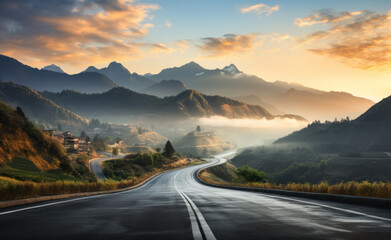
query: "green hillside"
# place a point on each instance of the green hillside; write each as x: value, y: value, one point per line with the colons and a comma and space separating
x: 202, y: 144
x: 21, y: 139
x: 370, y: 131
x: 41, y: 110
x: 121, y: 102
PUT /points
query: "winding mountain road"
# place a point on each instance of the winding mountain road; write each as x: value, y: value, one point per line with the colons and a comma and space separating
x: 174, y: 205
x: 96, y: 167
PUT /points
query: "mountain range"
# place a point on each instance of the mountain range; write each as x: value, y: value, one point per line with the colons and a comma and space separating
x: 165, y: 88
x: 53, y: 68
x: 12, y: 70
x: 322, y: 105
x: 257, y: 100
x: 41, y: 110
x: 120, y: 103
x: 122, y: 77
x: 229, y: 81
x: 277, y: 96
x: 370, y: 131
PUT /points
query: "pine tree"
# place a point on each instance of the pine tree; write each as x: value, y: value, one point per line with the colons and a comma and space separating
x: 115, y: 151
x: 198, y: 128
x: 20, y: 112
x: 83, y: 135
x: 168, y: 150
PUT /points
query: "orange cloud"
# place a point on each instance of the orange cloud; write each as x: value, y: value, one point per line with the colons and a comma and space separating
x: 75, y: 31
x: 360, y: 40
x: 229, y: 44
x: 260, y: 9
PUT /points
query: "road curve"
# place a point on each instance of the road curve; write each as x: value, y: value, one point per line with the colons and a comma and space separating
x: 95, y: 164
x: 175, y: 206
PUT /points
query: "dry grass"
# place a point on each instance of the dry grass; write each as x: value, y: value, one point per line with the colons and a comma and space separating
x: 363, y: 189
x: 11, y: 189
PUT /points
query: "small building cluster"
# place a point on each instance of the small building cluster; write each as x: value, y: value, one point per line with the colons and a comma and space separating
x: 70, y: 142
x: 118, y: 142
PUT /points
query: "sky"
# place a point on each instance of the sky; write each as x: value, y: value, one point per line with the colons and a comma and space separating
x: 329, y: 45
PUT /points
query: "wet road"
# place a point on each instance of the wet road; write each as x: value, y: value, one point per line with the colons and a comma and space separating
x: 175, y: 206
x: 96, y: 167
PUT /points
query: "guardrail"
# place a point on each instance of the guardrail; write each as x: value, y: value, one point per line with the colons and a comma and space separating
x: 365, y: 201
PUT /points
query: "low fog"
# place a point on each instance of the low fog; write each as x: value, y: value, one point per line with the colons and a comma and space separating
x: 240, y: 132
x: 250, y: 132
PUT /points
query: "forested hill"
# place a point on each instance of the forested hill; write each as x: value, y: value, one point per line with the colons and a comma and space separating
x: 120, y: 102
x: 41, y: 110
x: 12, y: 70
x: 371, y: 131
x: 20, y: 138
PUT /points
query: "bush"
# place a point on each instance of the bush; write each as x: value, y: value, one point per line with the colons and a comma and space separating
x: 247, y: 174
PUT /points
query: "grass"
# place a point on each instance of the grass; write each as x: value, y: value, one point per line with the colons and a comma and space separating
x: 25, y: 170
x: 301, y: 165
x: 135, y: 165
x: 54, y: 183
x: 354, y: 188
x: 11, y: 189
x: 198, y: 162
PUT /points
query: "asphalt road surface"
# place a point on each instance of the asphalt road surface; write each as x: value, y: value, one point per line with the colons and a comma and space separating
x: 96, y: 167
x: 175, y: 206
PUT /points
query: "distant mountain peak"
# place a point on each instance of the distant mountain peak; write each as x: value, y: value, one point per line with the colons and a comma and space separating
x: 231, y: 69
x: 53, y: 68
x: 192, y: 66
x: 91, y: 69
x: 115, y: 64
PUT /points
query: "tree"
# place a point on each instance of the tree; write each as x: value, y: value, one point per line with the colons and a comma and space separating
x: 247, y: 174
x: 168, y: 150
x: 88, y: 139
x: 83, y: 135
x: 59, y: 127
x: 115, y: 151
x: 140, y: 131
x: 20, y: 112
x: 94, y: 123
x: 158, y: 149
x: 99, y: 143
x: 198, y: 128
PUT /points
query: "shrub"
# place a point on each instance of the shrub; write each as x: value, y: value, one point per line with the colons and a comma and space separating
x: 247, y: 174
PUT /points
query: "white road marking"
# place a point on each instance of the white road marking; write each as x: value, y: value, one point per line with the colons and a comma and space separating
x: 194, y: 225
x: 195, y: 213
x: 221, y: 160
x: 332, y: 207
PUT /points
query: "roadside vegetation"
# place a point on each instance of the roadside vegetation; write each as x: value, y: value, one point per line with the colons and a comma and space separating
x: 302, y: 164
x: 136, y: 165
x: 21, y: 178
x: 249, y: 177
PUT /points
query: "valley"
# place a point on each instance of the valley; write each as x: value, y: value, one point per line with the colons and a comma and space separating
x: 197, y: 120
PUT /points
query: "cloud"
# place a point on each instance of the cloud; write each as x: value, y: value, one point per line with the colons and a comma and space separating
x: 359, y: 39
x: 73, y: 31
x: 260, y: 9
x: 218, y: 121
x: 325, y: 16
x: 175, y: 46
x: 168, y: 23
x: 228, y: 44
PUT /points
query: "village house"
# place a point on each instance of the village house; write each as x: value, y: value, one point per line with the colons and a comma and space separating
x: 119, y: 142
